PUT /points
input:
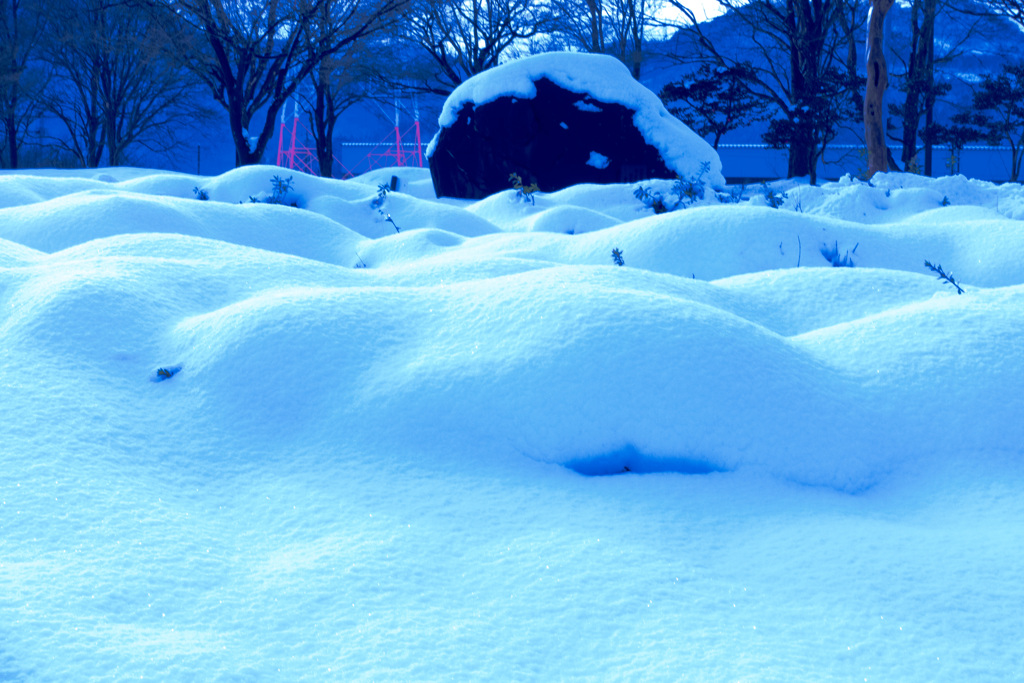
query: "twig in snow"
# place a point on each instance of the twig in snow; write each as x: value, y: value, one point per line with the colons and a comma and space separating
x: 948, y: 277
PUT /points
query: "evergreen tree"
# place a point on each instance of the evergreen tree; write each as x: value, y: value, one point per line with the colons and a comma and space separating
x: 715, y: 100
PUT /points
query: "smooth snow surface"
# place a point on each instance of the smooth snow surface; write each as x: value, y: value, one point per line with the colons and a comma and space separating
x: 476, y: 449
x: 604, y: 78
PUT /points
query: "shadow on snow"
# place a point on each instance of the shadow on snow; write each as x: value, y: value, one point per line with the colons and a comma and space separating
x: 629, y: 460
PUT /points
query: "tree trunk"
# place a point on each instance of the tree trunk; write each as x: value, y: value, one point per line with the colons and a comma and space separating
x: 97, y: 134
x: 874, y: 94
x: 911, y: 105
x: 848, y: 24
x: 12, y: 139
x: 113, y: 146
x: 596, y: 11
x: 892, y: 161
x: 323, y: 127
x: 326, y: 156
x: 911, y: 121
x: 928, y: 38
x: 920, y: 99
x: 1015, y: 159
x: 240, y: 133
x: 801, y: 158
x: 802, y: 146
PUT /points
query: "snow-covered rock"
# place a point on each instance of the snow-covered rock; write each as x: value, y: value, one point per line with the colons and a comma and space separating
x: 557, y: 120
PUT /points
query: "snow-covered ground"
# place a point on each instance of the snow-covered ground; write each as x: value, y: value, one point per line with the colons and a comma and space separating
x: 374, y: 458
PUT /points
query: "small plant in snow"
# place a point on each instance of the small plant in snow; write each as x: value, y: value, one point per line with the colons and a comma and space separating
x: 617, y: 257
x: 382, y: 195
x: 650, y: 199
x: 523, y: 192
x: 690, y: 190
x: 831, y: 255
x: 201, y: 194
x: 280, y: 189
x: 947, y: 277
x: 771, y: 197
x: 945, y: 201
x: 166, y: 373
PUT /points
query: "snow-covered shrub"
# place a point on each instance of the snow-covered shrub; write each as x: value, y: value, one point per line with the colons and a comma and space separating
x: 651, y: 199
x: 771, y: 197
x: 201, y: 194
x: 691, y: 189
x: 688, y: 191
x: 617, y: 257
x: 281, y: 187
x: 733, y: 196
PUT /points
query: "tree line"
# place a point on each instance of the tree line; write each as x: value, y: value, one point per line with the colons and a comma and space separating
x: 110, y: 76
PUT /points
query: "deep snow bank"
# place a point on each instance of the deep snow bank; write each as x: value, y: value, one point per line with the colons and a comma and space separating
x: 377, y: 472
x: 710, y: 347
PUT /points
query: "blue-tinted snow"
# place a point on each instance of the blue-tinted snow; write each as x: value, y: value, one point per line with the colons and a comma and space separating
x: 385, y: 472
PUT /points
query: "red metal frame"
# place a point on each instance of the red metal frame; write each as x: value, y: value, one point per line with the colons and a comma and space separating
x: 395, y: 151
x: 303, y: 158
x: 300, y: 158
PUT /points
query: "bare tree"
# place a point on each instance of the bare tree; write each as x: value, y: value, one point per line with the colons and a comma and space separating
x: 630, y: 22
x: 919, y: 81
x: 581, y: 23
x: 145, y: 94
x: 341, y: 80
x: 74, y: 54
x: 1011, y: 9
x: 254, y: 55
x: 21, y: 27
x: 617, y: 27
x: 465, y: 37
x: 801, y: 75
x: 852, y: 18
x: 921, y: 75
x: 113, y: 84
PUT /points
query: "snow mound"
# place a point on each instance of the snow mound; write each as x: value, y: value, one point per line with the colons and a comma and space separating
x: 251, y: 442
x: 69, y: 220
x: 894, y: 197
